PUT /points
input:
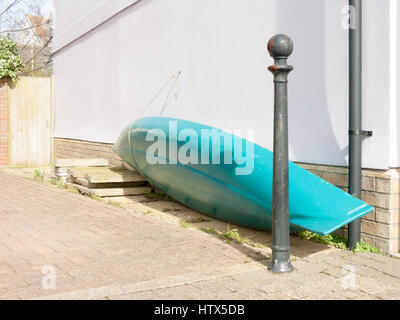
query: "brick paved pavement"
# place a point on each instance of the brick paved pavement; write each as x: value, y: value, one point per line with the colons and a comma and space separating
x: 99, y: 251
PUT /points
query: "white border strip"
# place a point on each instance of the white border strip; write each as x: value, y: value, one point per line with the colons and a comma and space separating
x: 393, y: 147
x: 91, y: 21
x: 160, y: 283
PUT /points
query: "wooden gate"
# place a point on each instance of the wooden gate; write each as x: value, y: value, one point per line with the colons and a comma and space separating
x: 31, y: 122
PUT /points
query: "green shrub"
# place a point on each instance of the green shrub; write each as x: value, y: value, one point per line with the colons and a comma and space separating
x: 10, y: 62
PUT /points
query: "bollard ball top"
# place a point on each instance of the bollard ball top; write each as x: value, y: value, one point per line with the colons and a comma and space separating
x: 280, y: 46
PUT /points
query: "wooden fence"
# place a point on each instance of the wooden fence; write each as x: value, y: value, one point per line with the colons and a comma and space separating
x: 30, y: 122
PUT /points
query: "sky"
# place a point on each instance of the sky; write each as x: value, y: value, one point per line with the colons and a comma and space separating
x: 48, y: 7
x: 19, y: 11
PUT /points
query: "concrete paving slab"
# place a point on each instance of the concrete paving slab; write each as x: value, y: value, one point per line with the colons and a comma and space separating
x: 55, y: 244
x: 93, y: 162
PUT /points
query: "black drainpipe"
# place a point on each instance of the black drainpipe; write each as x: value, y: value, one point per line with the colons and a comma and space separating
x: 355, y: 129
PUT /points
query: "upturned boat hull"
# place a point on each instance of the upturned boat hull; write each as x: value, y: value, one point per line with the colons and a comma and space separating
x: 236, y: 191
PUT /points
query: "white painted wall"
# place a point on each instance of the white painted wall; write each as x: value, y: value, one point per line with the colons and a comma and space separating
x: 398, y: 84
x: 108, y: 75
x: 394, y: 82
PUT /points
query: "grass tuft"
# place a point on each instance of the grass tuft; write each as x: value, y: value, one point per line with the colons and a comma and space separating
x: 365, y: 247
x: 96, y: 197
x: 115, y: 203
x: 186, y: 225
x: 337, y: 241
x: 209, y: 231
x: 232, y: 235
x: 61, y: 185
x: 197, y: 220
x: 38, y: 175
x: 331, y: 240
x: 159, y: 196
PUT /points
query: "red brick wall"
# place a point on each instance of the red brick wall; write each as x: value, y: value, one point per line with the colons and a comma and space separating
x: 3, y: 123
x: 68, y: 148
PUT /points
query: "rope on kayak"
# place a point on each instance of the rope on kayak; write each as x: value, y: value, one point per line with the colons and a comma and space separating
x: 170, y: 95
x: 176, y: 76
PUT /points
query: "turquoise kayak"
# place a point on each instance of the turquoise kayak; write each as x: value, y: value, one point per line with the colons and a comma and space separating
x: 230, y: 178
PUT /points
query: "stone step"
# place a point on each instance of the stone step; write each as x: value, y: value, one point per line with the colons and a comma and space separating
x: 84, y: 182
x: 95, y: 162
x: 80, y: 172
x: 113, y: 175
x: 112, y: 192
x: 95, y: 175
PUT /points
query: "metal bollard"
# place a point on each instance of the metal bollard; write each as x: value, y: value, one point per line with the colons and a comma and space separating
x: 280, y: 47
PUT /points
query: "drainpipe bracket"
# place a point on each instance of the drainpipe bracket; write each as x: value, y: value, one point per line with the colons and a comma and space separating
x: 361, y: 133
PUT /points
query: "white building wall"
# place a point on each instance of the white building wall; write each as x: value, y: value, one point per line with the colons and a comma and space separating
x: 394, y: 75
x: 107, y: 76
x: 397, y: 53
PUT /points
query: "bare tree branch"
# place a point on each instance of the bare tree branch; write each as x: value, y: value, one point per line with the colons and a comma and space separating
x: 25, y: 29
x: 24, y: 22
x: 14, y: 3
x: 41, y: 49
x: 47, y: 65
